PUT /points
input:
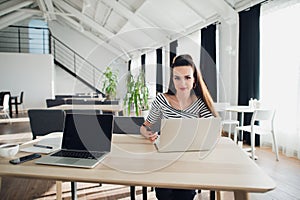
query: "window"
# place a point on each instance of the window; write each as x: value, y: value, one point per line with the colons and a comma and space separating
x: 280, y: 72
x: 38, y: 37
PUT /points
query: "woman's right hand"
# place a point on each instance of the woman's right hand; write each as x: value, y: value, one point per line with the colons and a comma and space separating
x: 147, y: 133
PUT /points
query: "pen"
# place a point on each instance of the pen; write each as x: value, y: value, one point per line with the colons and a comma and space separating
x: 42, y: 146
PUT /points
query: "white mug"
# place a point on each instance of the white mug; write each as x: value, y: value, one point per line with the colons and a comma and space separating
x: 9, y: 150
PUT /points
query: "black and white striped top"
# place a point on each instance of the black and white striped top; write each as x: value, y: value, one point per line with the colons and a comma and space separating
x: 161, y: 108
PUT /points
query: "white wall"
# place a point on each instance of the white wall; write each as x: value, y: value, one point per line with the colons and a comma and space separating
x: 31, y: 73
x: 92, y: 51
x: 191, y: 44
x: 65, y: 83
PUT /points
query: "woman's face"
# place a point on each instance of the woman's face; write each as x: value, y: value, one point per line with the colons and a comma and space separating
x: 183, y: 79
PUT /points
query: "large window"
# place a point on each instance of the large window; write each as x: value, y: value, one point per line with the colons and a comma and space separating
x: 39, y: 37
x: 280, y: 71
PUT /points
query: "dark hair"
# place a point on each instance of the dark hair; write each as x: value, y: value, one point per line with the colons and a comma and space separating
x: 199, y: 89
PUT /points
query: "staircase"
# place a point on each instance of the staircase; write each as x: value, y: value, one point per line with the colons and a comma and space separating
x: 25, y: 39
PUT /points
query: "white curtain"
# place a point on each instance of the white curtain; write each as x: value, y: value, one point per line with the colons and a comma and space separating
x: 280, y: 71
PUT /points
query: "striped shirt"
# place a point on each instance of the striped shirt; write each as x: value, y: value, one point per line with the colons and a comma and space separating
x: 161, y: 108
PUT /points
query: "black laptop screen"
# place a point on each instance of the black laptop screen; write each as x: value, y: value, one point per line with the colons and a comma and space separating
x: 87, y: 132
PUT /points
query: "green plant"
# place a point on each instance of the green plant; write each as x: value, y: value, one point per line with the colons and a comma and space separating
x: 110, y: 83
x: 137, y: 94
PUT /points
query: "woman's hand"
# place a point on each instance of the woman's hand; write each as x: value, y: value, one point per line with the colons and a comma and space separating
x: 147, y: 133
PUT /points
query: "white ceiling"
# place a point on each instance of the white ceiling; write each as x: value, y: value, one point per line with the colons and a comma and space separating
x: 154, y: 22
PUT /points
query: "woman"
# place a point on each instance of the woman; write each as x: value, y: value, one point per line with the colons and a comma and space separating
x: 187, y: 97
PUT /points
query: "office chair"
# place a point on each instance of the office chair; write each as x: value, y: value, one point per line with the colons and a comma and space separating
x: 44, y: 121
x: 129, y: 125
x: 260, y: 115
x: 54, y: 102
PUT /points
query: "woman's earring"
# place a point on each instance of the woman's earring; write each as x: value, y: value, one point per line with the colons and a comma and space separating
x: 194, y: 85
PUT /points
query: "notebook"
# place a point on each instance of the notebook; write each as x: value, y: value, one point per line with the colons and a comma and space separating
x: 85, y: 143
x: 181, y: 135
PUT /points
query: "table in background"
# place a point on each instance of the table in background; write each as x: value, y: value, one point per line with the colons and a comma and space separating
x: 135, y: 161
x: 107, y: 108
x: 242, y: 110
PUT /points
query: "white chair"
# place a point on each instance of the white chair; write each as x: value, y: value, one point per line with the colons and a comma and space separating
x: 260, y: 115
x: 5, y: 108
x: 221, y: 107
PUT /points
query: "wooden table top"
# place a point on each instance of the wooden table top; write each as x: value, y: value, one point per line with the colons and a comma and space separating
x: 135, y: 161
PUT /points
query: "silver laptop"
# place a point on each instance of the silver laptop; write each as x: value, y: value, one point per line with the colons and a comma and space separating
x: 86, y: 141
x: 181, y: 135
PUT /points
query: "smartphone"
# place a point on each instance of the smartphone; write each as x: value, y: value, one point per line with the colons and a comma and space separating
x: 25, y: 158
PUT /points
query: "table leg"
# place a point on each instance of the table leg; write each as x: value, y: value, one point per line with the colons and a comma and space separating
x: 59, y: 190
x: 241, y: 195
x: 0, y: 182
x: 74, y: 190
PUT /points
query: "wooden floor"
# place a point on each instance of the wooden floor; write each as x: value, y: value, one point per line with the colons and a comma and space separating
x: 286, y: 173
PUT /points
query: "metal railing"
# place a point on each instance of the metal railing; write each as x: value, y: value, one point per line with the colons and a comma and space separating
x: 75, y: 63
x: 23, y: 39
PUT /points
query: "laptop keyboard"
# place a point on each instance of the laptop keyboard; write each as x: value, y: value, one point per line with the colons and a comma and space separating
x: 75, y: 154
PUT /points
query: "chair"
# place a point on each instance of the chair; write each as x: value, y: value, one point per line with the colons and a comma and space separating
x: 221, y: 107
x: 17, y: 103
x: 42, y: 122
x: 5, y: 108
x: 2, y: 94
x: 129, y: 125
x: 260, y: 115
x: 54, y: 102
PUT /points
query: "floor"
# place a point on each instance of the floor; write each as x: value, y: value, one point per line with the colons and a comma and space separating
x: 286, y: 173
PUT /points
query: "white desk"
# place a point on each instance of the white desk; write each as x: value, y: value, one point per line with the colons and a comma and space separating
x: 135, y: 161
x: 85, y: 99
x: 242, y: 110
x: 109, y: 108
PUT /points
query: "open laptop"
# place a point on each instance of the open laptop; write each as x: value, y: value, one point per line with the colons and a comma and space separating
x: 181, y: 135
x: 86, y: 141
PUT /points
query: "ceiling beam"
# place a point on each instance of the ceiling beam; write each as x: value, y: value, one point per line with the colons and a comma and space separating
x: 13, y: 18
x: 50, y: 8
x: 86, y: 20
x: 10, y: 6
x: 108, y: 36
x: 188, y: 4
x: 122, y: 10
x: 240, y: 6
x: 134, y: 18
x: 226, y: 12
x: 211, y: 20
x: 43, y: 8
x: 88, y: 34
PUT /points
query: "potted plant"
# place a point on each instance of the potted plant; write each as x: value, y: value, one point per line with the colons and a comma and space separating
x: 110, y: 83
x: 137, y: 94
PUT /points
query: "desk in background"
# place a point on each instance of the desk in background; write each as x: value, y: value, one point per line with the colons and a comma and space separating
x: 106, y: 108
x: 135, y: 161
x: 242, y: 110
